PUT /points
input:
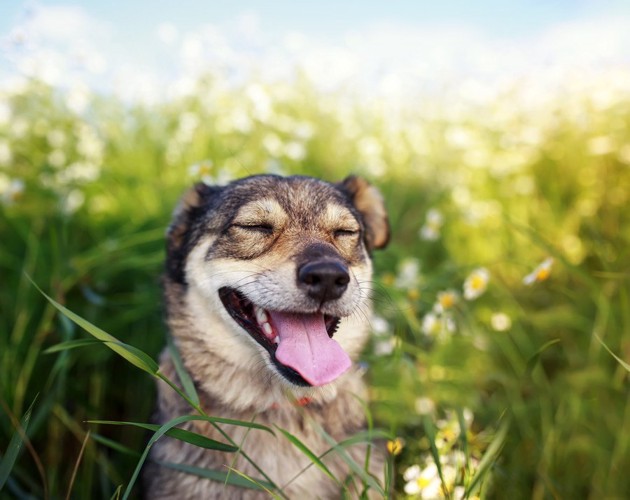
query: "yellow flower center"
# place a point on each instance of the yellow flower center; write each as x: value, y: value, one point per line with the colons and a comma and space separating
x: 449, y: 434
x: 205, y: 169
x: 477, y: 282
x: 423, y: 482
x: 447, y: 300
x: 543, y: 273
x: 388, y: 279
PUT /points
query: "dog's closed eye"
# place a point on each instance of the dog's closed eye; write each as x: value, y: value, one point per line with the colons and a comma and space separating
x: 262, y: 228
x: 341, y: 233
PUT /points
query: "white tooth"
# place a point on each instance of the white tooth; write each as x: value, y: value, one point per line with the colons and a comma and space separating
x: 261, y: 315
x: 267, y: 329
x: 276, y: 340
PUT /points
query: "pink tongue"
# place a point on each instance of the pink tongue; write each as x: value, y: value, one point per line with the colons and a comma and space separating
x: 306, y: 347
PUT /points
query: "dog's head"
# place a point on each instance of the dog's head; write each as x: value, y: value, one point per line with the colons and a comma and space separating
x: 278, y: 270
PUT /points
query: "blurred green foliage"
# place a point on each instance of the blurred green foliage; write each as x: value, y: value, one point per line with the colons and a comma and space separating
x: 87, y: 190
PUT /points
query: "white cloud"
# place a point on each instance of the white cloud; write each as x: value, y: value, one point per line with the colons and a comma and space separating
x: 64, y: 23
x: 63, y: 44
x: 57, y: 43
x: 589, y: 41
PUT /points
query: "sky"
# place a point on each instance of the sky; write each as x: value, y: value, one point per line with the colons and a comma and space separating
x: 152, y: 48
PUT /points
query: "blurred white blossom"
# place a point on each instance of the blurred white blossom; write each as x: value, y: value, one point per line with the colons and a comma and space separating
x: 384, y: 345
x: 273, y: 166
x: 437, y: 325
x: 304, y: 131
x: 408, y: 276
x: 295, y: 150
x: 476, y: 283
x: 380, y: 326
x: 384, y: 341
x: 78, y: 173
x: 6, y: 113
x: 78, y: 99
x: 19, y: 127
x: 72, y: 201
x: 238, y: 120
x: 430, y: 231
x: 431, y: 325
x: 5, y: 153
x: 446, y: 300
x: 89, y: 144
x: 209, y: 174
x: 261, y: 102
x: 427, y: 483
x: 273, y: 144
x: 56, y: 138
x: 188, y: 124
x: 540, y: 273
x: 500, y: 322
x: 57, y: 158
x: 424, y: 406
x: 11, y: 190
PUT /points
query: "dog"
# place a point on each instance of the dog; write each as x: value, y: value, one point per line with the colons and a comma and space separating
x: 267, y: 297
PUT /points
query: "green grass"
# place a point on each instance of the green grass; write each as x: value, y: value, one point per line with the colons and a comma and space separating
x: 523, y: 392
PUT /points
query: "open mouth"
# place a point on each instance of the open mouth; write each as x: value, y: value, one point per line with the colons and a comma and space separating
x: 300, y: 345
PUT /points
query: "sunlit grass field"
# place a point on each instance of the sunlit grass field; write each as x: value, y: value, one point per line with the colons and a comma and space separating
x: 499, y: 361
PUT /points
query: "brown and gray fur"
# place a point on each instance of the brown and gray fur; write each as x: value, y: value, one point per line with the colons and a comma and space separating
x: 252, y: 235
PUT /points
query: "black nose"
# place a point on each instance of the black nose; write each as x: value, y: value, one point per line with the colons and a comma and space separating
x: 323, y: 280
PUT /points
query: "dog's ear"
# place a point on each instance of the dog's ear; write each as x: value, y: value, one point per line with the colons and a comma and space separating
x: 178, y: 235
x: 369, y: 202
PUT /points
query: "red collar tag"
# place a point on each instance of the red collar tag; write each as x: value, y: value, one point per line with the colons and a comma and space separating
x: 298, y: 402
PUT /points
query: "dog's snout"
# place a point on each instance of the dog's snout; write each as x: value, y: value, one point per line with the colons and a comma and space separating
x: 323, y: 280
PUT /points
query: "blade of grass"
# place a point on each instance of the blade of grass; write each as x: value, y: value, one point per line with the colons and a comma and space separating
x: 182, y: 394
x: 219, y: 476
x: 429, y: 429
x: 533, y: 360
x: 362, y: 437
x: 215, y: 421
x: 273, y: 495
x: 20, y: 429
x: 366, y: 477
x: 71, y: 344
x: 114, y: 445
x: 15, y: 445
x: 619, y: 360
x: 463, y: 432
x: 370, y: 425
x: 179, y: 434
x: 309, y: 454
x: 116, y: 495
x: 205, y: 418
x: 489, y: 457
x: 157, y: 435
x: 232, y: 467
x: 76, y: 465
x: 132, y: 354
x: 182, y: 373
